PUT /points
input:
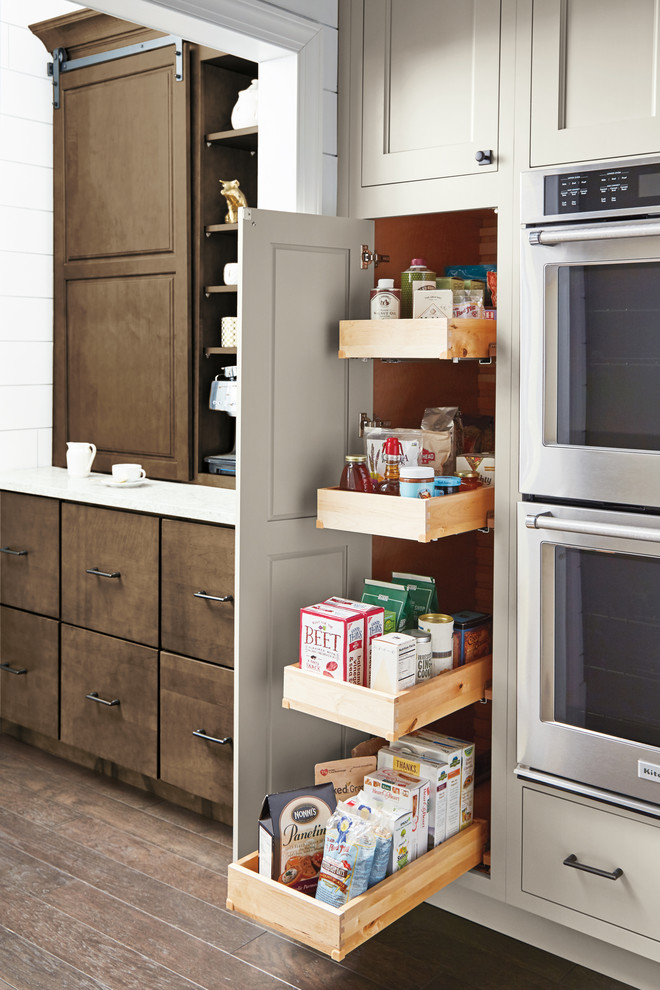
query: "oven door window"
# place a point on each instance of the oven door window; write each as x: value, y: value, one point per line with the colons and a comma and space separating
x: 608, y: 355
x: 607, y: 643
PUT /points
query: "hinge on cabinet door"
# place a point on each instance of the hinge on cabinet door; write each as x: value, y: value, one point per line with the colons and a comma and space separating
x: 365, y: 423
x: 366, y: 257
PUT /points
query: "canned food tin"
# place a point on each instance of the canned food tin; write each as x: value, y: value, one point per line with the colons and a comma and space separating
x: 441, y: 628
x: 424, y: 668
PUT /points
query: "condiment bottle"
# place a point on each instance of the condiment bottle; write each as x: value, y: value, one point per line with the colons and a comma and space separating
x: 392, y: 455
x: 385, y: 300
x: 355, y: 476
x: 418, y: 275
x: 469, y: 481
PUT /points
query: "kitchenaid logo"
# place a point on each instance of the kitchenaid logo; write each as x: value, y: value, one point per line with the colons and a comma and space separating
x: 650, y: 771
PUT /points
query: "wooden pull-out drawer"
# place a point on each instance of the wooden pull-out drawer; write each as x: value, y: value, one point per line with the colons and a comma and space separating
x: 196, y: 727
x: 30, y: 555
x: 110, y: 699
x: 110, y: 572
x: 626, y: 891
x: 197, y: 589
x: 29, y: 678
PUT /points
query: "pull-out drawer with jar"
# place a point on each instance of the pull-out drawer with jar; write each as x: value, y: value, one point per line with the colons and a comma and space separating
x: 29, y: 670
x: 595, y: 861
x: 110, y: 572
x: 30, y: 552
x: 110, y: 699
x: 197, y: 591
x: 196, y: 727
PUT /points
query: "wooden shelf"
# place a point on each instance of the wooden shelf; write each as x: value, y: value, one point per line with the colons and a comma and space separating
x: 455, y: 339
x: 208, y: 351
x: 420, y: 519
x: 337, y: 931
x: 386, y: 715
x: 244, y: 138
x: 220, y: 228
x: 209, y: 289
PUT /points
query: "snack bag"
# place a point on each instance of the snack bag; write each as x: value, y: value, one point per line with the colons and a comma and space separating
x: 348, y: 856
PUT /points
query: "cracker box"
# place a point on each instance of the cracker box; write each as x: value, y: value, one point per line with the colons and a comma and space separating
x: 374, y: 625
x: 467, y: 752
x: 408, y: 793
x: 433, y: 303
x: 332, y: 643
x: 346, y: 776
x: 432, y: 748
x: 292, y: 834
x: 394, y: 663
x: 437, y: 776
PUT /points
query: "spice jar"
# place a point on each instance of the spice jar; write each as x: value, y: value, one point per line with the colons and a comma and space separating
x: 446, y: 484
x: 416, y: 482
x: 355, y: 477
x: 469, y: 481
x: 417, y: 276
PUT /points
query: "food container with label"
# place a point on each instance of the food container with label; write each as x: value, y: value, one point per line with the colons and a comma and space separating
x: 441, y: 628
x: 416, y: 482
x: 469, y: 480
x: 446, y: 484
x: 415, y: 277
x: 424, y: 654
x: 385, y: 300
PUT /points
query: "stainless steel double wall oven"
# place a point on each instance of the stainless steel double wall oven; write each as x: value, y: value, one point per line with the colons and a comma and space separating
x: 589, y: 521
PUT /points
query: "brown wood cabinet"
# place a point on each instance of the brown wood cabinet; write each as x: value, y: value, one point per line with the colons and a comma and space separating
x: 196, y: 728
x: 197, y: 591
x: 30, y: 552
x: 110, y: 572
x: 110, y: 698
x: 29, y: 670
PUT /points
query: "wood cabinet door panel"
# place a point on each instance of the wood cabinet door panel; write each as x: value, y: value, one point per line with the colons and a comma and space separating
x: 197, y: 559
x: 115, y: 543
x: 197, y: 696
x: 125, y: 732
x: 30, y: 690
x: 30, y: 578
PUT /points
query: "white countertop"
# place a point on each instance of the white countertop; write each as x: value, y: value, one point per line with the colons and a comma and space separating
x: 162, y: 498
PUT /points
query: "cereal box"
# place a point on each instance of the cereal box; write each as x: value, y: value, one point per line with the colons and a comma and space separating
x: 332, y: 643
x: 421, y: 746
x: 437, y: 776
x: 408, y: 793
x: 467, y: 753
x: 374, y: 625
x: 292, y: 834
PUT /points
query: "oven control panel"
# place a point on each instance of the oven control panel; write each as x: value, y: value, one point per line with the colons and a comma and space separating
x: 599, y: 191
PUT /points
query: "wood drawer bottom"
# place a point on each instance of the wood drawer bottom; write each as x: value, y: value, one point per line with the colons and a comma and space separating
x: 337, y: 931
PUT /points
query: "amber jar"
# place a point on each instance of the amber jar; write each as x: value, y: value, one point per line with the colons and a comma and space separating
x: 355, y: 476
x: 469, y: 481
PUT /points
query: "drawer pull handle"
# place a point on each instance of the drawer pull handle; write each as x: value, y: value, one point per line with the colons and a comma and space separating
x: 94, y: 696
x: 572, y: 860
x: 108, y: 574
x: 14, y: 553
x: 202, y: 735
x: 13, y: 670
x: 213, y: 598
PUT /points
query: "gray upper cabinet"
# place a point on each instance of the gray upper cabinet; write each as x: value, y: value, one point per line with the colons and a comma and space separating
x: 595, y: 80
x: 430, y: 78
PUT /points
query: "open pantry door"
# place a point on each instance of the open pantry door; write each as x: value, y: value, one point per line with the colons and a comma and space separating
x: 298, y: 415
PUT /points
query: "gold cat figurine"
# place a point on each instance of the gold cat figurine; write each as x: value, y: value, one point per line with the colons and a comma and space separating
x: 235, y: 198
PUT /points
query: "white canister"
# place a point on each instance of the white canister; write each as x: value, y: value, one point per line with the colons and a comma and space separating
x: 79, y: 458
x: 230, y: 273
x: 229, y: 331
x: 424, y: 654
x: 441, y: 628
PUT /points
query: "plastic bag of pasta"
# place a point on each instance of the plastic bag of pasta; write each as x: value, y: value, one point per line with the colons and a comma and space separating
x: 348, y: 854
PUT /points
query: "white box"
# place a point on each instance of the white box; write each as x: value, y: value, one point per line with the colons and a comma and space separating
x: 431, y: 304
x: 437, y: 775
x: 419, y: 746
x: 331, y: 643
x: 374, y: 625
x: 467, y: 771
x: 393, y: 663
x: 407, y: 793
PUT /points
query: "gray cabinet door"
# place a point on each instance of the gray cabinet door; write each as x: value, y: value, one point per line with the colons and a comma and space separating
x: 430, y: 78
x: 298, y: 414
x: 595, y: 81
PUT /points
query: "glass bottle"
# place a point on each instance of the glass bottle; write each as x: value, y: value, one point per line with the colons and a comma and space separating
x: 355, y: 477
x: 392, y: 455
x: 469, y: 481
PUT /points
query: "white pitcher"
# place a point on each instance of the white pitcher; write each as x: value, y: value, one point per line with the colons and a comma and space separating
x: 245, y: 112
x: 79, y: 458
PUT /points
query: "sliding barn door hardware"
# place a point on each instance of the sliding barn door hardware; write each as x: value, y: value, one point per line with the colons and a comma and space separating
x: 61, y: 62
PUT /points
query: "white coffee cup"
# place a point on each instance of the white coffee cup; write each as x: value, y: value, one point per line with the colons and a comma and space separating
x: 230, y: 273
x: 124, y: 473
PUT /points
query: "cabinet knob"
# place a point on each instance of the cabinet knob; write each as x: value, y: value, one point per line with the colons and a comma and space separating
x: 484, y: 157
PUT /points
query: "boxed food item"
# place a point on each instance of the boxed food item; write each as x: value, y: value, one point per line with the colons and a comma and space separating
x: 346, y: 776
x: 467, y: 753
x: 417, y: 744
x: 292, y: 834
x: 449, y: 282
x: 422, y: 591
x: 472, y: 636
x: 393, y: 663
x: 405, y: 792
x: 392, y: 598
x: 332, y: 643
x: 436, y: 774
x: 431, y: 303
x: 374, y: 625
x: 399, y: 824
x: 483, y: 464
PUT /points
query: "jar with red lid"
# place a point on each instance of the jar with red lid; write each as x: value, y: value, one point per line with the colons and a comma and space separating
x: 469, y: 481
x: 355, y: 477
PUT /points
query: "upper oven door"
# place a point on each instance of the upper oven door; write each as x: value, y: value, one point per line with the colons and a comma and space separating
x: 589, y: 647
x: 590, y: 361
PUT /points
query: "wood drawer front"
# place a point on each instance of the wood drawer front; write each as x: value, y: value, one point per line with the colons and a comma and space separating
x: 197, y: 558
x: 123, y: 543
x: 30, y: 691
x: 555, y: 828
x: 197, y: 696
x: 30, y: 578
x: 124, y: 733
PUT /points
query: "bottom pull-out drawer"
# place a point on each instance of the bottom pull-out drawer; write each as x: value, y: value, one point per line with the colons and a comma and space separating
x: 29, y: 681
x: 592, y: 860
x: 110, y: 699
x: 196, y: 726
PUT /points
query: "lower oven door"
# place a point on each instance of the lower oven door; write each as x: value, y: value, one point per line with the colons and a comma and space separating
x: 589, y: 647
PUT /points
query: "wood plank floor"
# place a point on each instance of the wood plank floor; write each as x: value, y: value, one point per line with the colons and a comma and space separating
x: 104, y: 887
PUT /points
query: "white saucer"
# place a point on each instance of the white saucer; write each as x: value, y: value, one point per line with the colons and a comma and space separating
x: 125, y: 484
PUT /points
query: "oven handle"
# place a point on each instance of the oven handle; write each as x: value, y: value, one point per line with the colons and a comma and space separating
x: 559, y: 235
x: 546, y: 520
